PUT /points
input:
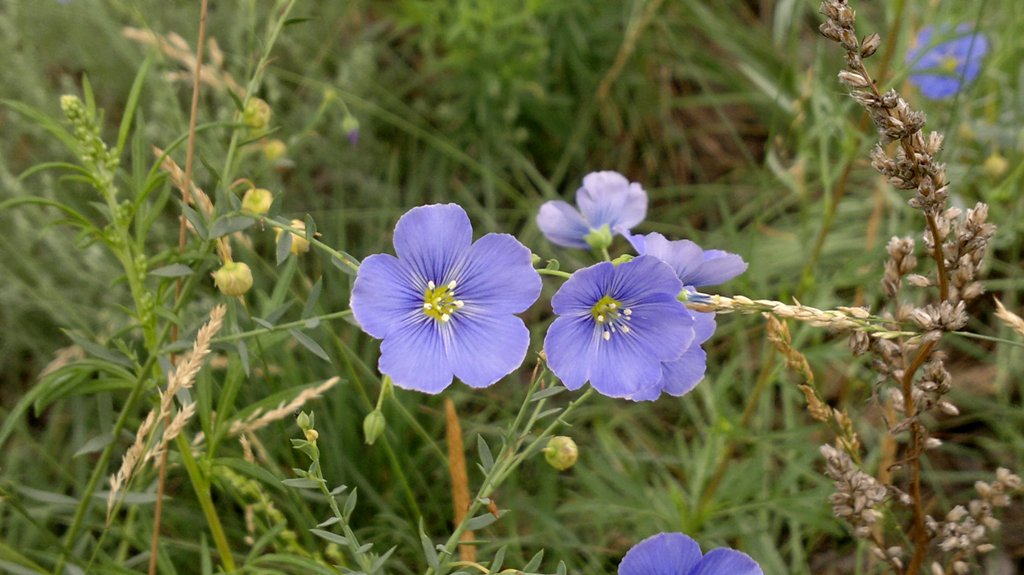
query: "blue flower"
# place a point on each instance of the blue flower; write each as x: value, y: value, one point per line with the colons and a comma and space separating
x: 608, y: 204
x: 444, y: 307
x: 677, y: 554
x: 616, y: 325
x: 941, y: 69
x: 694, y: 267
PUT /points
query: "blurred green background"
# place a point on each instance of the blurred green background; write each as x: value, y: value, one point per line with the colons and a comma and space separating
x: 729, y: 114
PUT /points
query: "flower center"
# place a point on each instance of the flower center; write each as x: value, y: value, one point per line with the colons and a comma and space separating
x: 439, y: 302
x: 949, y: 64
x: 611, y: 317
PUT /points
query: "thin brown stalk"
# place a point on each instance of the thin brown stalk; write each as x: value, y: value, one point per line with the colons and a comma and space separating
x: 182, y: 230
x: 918, y: 532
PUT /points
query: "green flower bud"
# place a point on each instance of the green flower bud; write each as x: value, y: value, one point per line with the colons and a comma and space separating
x: 561, y: 452
x: 623, y: 259
x: 257, y: 201
x: 304, y: 421
x: 233, y: 279
x: 995, y: 166
x: 600, y: 238
x: 374, y: 426
x: 274, y: 150
x: 312, y: 435
x: 257, y: 115
x: 350, y: 125
x: 300, y: 244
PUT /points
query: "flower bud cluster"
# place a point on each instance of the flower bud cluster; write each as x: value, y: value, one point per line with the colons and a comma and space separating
x: 965, y: 530
x: 93, y: 151
x: 857, y: 494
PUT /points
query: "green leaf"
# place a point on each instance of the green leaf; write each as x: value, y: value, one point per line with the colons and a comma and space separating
x: 314, y: 297
x: 284, y: 246
x: 332, y: 537
x: 172, y: 271
x: 132, y: 105
x: 481, y: 521
x: 98, y: 350
x: 486, y: 458
x: 301, y: 483
x: 428, y: 550
x: 496, y: 562
x: 95, y: 444
x: 534, y: 563
x: 225, y: 225
x: 328, y: 522
x: 45, y: 122
x: 309, y: 344
x: 196, y: 220
x: 348, y: 264
x: 350, y: 503
x: 546, y: 393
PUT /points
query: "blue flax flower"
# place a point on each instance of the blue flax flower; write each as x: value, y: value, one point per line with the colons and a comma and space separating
x: 444, y: 307
x: 608, y: 204
x: 940, y: 70
x: 695, y: 267
x: 677, y: 554
x: 616, y: 325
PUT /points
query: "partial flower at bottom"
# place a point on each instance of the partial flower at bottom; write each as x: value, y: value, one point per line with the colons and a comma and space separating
x: 445, y: 306
x: 616, y: 325
x: 678, y: 554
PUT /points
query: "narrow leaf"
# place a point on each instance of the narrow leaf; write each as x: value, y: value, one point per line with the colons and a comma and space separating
x: 230, y: 224
x: 284, y: 247
x: 309, y: 344
x: 172, y: 271
x: 481, y: 521
x: 332, y: 537
x: 486, y: 458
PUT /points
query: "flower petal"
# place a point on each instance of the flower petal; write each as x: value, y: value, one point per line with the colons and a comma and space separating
x: 432, y: 239
x: 718, y: 267
x: 570, y: 346
x: 662, y: 554
x: 609, y: 198
x: 383, y: 295
x: 583, y: 289
x: 680, y: 376
x: 727, y: 562
x: 486, y: 348
x: 563, y: 225
x: 622, y: 367
x: 414, y: 355
x: 703, y: 326
x: 497, y: 275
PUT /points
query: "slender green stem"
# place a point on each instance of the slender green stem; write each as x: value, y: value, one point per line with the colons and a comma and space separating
x: 344, y: 258
x: 508, y: 460
x: 554, y: 273
x: 279, y: 327
x: 201, y: 485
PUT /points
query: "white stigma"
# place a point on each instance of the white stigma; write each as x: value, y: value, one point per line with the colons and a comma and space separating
x: 445, y: 317
x: 427, y: 306
x: 431, y: 284
x: 606, y: 335
x: 451, y: 285
x: 459, y: 303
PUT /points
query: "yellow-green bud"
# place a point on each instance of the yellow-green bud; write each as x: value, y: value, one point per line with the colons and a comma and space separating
x: 257, y: 114
x: 233, y: 279
x: 300, y: 244
x: 600, y: 238
x: 274, y: 150
x: 561, y: 452
x: 995, y: 165
x: 374, y: 426
x: 350, y: 125
x: 304, y: 421
x: 312, y: 435
x: 257, y: 201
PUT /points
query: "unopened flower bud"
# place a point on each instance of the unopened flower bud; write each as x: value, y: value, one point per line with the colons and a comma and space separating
x: 274, y: 150
x: 257, y: 115
x: 374, y: 426
x: 312, y: 435
x: 300, y: 244
x: 257, y: 201
x: 304, y: 421
x: 350, y: 125
x: 561, y: 452
x: 995, y: 166
x: 600, y: 238
x: 233, y: 279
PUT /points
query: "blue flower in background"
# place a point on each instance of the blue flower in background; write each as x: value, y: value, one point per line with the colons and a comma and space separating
x: 694, y: 267
x: 608, y: 204
x: 677, y: 554
x: 616, y: 325
x: 940, y: 69
x: 444, y: 307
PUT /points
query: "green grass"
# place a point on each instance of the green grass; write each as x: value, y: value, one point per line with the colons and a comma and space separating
x: 728, y: 112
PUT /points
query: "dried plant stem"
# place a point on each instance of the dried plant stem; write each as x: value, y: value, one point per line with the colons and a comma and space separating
x: 918, y: 533
x: 182, y: 231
